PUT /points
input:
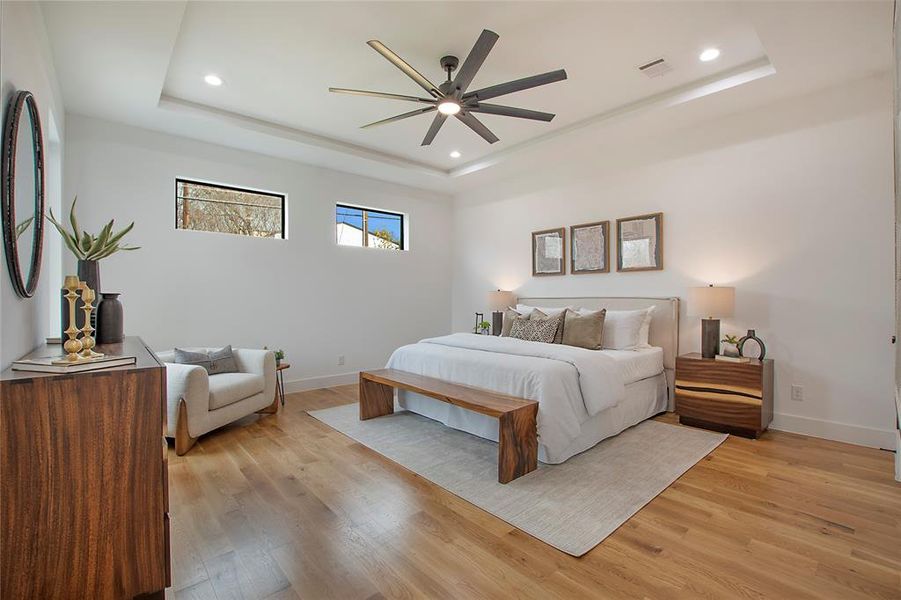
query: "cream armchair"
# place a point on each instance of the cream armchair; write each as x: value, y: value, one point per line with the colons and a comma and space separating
x: 198, y: 402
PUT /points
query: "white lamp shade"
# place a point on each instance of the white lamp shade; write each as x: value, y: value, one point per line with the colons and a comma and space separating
x: 710, y: 301
x: 500, y: 300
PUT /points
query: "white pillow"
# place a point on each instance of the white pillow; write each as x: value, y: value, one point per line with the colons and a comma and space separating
x: 525, y: 309
x: 645, y: 328
x: 622, y: 328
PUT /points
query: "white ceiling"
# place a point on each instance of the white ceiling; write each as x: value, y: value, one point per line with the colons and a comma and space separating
x: 143, y: 63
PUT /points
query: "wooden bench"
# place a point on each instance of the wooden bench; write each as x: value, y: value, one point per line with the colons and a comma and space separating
x: 517, y: 452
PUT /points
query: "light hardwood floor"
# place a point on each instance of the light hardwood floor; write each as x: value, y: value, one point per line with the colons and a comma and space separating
x: 283, y: 506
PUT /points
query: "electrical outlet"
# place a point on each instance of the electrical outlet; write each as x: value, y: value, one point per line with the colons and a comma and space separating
x: 797, y: 393
x: 340, y: 359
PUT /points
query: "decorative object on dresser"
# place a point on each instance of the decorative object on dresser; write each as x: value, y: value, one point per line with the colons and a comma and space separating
x: 725, y: 396
x: 547, y: 252
x: 589, y: 248
x: 84, y: 479
x: 730, y: 346
x: 751, y: 337
x: 199, y: 402
x: 110, y: 321
x: 22, y: 192
x: 89, y: 249
x: 639, y: 243
x: 517, y: 452
x: 499, y: 301
x: 711, y: 303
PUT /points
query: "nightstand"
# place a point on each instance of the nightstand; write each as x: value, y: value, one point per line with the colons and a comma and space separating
x: 725, y: 396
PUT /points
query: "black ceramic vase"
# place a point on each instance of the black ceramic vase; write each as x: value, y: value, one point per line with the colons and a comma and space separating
x: 109, y: 316
x: 751, y: 336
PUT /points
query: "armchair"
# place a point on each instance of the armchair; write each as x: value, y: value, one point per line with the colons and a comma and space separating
x: 198, y: 403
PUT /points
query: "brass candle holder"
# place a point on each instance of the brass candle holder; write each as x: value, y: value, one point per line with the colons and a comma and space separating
x: 73, y: 345
x: 87, y: 340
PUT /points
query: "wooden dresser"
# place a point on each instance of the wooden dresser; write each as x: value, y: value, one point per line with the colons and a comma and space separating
x: 83, y: 485
x: 725, y: 396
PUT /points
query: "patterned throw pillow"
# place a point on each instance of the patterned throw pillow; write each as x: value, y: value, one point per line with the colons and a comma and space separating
x: 535, y: 330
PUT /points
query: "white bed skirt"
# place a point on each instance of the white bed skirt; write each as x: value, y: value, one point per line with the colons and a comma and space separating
x: 643, y: 400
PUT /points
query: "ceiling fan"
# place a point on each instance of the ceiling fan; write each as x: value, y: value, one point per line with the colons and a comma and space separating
x: 451, y: 97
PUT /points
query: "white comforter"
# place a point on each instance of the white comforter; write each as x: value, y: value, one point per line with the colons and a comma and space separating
x: 570, y: 384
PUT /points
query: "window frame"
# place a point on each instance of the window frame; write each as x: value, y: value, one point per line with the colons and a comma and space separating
x: 403, y: 225
x: 234, y: 188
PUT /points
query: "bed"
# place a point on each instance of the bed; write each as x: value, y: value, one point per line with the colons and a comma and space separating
x: 584, y: 396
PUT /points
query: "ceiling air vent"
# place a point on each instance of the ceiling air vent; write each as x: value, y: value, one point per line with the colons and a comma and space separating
x: 655, y: 68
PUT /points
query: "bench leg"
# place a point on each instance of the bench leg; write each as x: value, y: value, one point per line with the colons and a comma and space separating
x: 517, y: 450
x: 376, y: 399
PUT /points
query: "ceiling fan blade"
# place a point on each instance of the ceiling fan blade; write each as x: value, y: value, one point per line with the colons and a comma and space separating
x: 525, y: 83
x: 398, y: 62
x: 440, y: 118
x: 474, y: 60
x: 412, y: 113
x: 510, y: 111
x: 381, y: 95
x: 470, y: 121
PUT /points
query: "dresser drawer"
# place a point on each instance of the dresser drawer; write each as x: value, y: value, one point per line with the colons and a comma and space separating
x: 741, y: 414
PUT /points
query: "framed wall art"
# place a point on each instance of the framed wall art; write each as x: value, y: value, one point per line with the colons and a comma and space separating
x: 589, y: 248
x: 547, y: 252
x: 639, y: 243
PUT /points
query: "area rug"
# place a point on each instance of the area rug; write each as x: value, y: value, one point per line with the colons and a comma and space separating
x: 572, y: 506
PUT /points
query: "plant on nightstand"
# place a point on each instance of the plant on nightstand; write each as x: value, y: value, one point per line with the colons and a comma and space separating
x: 482, y: 328
x: 730, y: 340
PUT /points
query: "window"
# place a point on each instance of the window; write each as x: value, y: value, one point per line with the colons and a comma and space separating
x: 210, y: 207
x: 365, y: 227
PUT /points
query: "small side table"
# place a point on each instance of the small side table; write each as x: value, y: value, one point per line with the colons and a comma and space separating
x: 280, y: 383
x: 725, y: 396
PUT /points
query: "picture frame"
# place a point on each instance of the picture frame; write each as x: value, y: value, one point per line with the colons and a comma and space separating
x: 548, y: 252
x: 639, y: 243
x: 589, y: 248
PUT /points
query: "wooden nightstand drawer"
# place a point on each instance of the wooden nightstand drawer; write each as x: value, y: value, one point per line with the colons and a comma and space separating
x: 725, y: 396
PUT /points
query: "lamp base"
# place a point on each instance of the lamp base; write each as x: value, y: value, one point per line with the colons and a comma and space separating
x: 710, y: 337
x: 497, y: 322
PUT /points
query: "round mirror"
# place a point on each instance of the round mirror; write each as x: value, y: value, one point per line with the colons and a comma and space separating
x: 23, y: 192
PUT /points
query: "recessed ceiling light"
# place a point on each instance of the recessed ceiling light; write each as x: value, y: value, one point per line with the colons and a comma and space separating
x: 455, y: 154
x: 709, y: 54
x: 213, y: 79
x: 448, y: 107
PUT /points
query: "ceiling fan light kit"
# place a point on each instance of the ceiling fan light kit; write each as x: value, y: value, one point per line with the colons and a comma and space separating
x: 451, y: 98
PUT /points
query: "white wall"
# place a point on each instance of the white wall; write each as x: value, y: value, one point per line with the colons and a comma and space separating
x: 791, y: 203
x: 25, y: 65
x: 305, y: 294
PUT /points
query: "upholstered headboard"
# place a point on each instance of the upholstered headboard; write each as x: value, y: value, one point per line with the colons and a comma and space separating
x: 664, y: 330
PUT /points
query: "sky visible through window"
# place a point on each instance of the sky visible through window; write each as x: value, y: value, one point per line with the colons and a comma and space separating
x: 378, y: 221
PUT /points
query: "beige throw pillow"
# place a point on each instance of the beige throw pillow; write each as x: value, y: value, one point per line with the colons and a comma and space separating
x: 584, y: 330
x: 537, y: 315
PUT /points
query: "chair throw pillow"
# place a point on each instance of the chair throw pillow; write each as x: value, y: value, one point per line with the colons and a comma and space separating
x: 188, y: 357
x: 223, y: 361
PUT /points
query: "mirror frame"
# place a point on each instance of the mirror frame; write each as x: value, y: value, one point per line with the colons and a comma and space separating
x: 17, y: 105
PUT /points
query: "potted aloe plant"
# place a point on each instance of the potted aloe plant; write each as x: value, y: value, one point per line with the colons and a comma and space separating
x: 90, y: 249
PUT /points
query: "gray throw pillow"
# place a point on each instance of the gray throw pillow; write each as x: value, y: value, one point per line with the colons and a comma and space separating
x: 584, y: 331
x: 223, y: 361
x: 536, y: 330
x: 186, y: 357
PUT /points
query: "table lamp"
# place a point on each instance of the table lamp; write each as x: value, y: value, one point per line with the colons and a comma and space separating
x: 499, y: 301
x: 711, y: 303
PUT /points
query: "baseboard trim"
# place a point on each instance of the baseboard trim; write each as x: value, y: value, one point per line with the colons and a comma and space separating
x: 830, y: 430
x: 316, y: 383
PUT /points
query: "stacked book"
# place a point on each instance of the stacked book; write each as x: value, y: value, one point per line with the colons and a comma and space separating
x: 58, y: 364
